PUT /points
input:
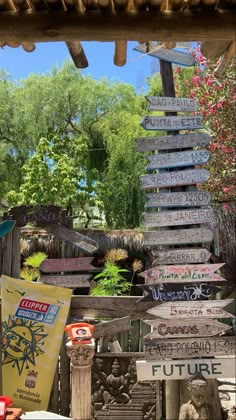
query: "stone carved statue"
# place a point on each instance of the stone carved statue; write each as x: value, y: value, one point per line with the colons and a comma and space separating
x: 197, y: 408
x: 115, y: 386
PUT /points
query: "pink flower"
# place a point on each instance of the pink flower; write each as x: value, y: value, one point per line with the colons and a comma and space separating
x: 225, y: 207
x: 220, y: 104
x: 226, y: 189
x: 196, y: 79
x: 214, y: 146
x: 209, y: 82
x: 178, y: 69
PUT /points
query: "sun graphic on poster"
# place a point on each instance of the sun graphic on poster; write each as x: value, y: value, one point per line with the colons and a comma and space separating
x: 21, y: 342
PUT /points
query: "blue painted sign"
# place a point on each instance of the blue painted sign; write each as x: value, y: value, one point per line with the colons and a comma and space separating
x: 151, y: 122
x: 6, y: 227
x: 178, y: 159
x: 164, y: 54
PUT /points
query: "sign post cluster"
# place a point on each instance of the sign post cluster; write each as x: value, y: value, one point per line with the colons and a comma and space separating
x: 181, y: 281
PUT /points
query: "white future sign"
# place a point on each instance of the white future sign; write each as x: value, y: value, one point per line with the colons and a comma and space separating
x: 151, y: 122
x: 161, y: 103
x: 178, y: 159
x: 179, y: 217
x: 178, y: 199
x: 178, y: 141
x: 174, y: 179
x: 185, y: 368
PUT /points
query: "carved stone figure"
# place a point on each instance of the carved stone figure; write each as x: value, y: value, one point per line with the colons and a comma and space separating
x: 98, y: 380
x: 197, y: 408
x: 115, y: 386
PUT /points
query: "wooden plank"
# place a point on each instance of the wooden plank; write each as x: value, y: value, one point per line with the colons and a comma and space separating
x: 181, y: 256
x: 75, y: 238
x: 186, y: 328
x: 165, y: 293
x: 185, y: 368
x: 76, y: 280
x: 178, y: 236
x: 161, y: 103
x: 175, y: 178
x: 171, y: 56
x: 41, y: 26
x: 112, y: 327
x: 179, y: 218
x: 151, y: 122
x: 189, y: 347
x: 182, y: 273
x: 178, y: 159
x: 40, y: 215
x: 197, y: 309
x: 66, y: 264
x: 178, y: 141
x: 178, y: 199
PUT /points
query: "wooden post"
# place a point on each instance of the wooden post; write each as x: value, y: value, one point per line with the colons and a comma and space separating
x: 81, y: 357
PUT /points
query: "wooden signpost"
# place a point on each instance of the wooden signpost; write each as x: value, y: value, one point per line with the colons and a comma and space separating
x: 179, y: 217
x: 178, y: 159
x: 178, y: 199
x: 185, y: 368
x: 161, y: 103
x: 178, y: 141
x: 181, y: 256
x: 165, y: 293
x: 178, y: 236
x: 182, y: 273
x: 174, y: 179
x: 164, y: 54
x: 66, y: 264
x: 75, y: 238
x: 196, y: 309
x: 108, y: 328
x: 185, y: 328
x: 189, y: 347
x: 151, y: 122
x: 76, y: 280
x: 39, y: 215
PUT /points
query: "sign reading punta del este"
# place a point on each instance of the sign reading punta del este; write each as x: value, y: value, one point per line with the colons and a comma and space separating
x: 175, y: 178
x: 161, y: 103
x: 179, y: 217
x: 182, y: 273
x: 178, y: 141
x: 181, y: 256
x: 177, y: 159
x: 172, y: 123
x: 178, y: 199
x: 178, y: 236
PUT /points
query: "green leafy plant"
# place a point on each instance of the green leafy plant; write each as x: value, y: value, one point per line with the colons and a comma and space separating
x: 30, y: 271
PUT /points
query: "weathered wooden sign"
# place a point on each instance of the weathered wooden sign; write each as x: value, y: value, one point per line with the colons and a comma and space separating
x: 189, y: 347
x: 6, y: 226
x: 181, y: 256
x: 178, y: 199
x: 172, y: 56
x: 178, y: 141
x: 39, y: 215
x: 161, y: 103
x: 75, y: 238
x: 178, y: 236
x: 66, y: 264
x: 196, y: 309
x: 178, y: 159
x: 165, y: 293
x: 182, y: 273
x: 185, y: 368
x: 112, y: 327
x: 76, y: 280
x: 175, y: 178
x: 179, y: 217
x: 151, y: 122
x: 185, y: 328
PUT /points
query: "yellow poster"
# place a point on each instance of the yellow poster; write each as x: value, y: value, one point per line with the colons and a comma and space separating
x: 33, y: 321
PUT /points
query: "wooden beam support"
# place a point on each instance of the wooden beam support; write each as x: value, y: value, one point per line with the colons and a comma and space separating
x: 44, y: 26
x: 77, y: 54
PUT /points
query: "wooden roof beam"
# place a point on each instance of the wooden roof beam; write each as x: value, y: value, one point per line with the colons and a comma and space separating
x: 43, y: 26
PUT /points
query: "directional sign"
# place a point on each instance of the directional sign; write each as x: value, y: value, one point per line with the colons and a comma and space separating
x: 151, y: 122
x: 185, y: 368
x: 66, y: 264
x: 185, y: 328
x: 165, y: 293
x: 6, y: 227
x: 114, y: 326
x: 197, y: 309
x: 178, y: 199
x: 189, y: 347
x: 77, y: 280
x: 182, y: 273
x: 75, y: 238
x: 181, y: 256
x: 178, y: 159
x: 179, y: 217
x: 161, y: 103
x: 164, y: 54
x: 178, y: 236
x: 178, y: 141
x: 175, y: 178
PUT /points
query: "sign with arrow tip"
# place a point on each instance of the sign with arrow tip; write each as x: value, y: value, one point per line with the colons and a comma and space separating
x: 165, y: 293
x: 161, y: 103
x: 179, y: 217
x: 174, y: 179
x: 178, y: 141
x: 151, y: 122
x: 178, y: 199
x: 178, y: 159
x: 73, y: 237
x: 178, y: 236
x: 172, y: 56
x: 66, y: 264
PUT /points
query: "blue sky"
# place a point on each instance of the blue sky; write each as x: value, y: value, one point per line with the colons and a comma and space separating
x: 20, y: 64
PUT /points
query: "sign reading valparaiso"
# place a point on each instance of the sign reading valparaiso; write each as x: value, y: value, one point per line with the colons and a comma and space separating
x: 178, y: 159
x: 178, y: 236
x: 176, y: 292
x: 185, y: 368
x: 161, y: 103
x: 178, y: 141
x: 181, y: 256
x: 175, y: 178
x: 178, y: 199
x: 151, y: 122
